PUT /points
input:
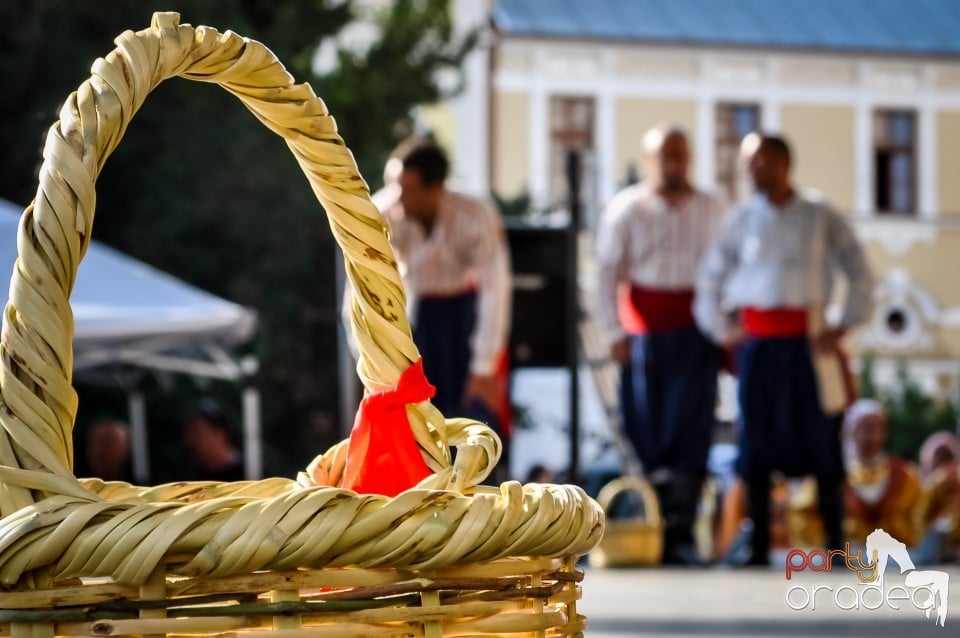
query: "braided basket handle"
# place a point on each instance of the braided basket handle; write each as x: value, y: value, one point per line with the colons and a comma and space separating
x: 637, y: 485
x: 38, y: 401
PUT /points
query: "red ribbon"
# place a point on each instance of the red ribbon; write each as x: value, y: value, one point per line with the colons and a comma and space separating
x: 382, y: 456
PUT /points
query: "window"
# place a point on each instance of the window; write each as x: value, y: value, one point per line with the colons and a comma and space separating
x: 733, y: 122
x: 571, y: 128
x: 894, y: 154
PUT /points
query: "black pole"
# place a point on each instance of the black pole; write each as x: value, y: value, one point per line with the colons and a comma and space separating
x: 573, y: 311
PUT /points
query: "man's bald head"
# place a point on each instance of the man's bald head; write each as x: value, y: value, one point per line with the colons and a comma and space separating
x: 667, y: 158
x: 654, y: 139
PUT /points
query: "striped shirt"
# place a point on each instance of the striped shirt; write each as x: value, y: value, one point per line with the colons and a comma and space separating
x: 768, y: 257
x: 644, y: 241
x: 465, y: 250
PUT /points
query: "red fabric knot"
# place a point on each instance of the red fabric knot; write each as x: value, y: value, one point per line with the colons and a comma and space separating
x: 382, y: 456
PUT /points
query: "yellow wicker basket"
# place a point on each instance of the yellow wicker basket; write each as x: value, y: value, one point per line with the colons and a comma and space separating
x: 630, y: 542
x: 301, y: 557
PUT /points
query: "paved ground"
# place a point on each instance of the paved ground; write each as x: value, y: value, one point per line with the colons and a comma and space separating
x: 689, y: 603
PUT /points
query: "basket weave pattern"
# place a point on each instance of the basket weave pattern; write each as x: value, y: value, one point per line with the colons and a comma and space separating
x: 189, y: 539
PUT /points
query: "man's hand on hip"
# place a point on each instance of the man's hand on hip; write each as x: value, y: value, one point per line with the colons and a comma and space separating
x: 620, y: 351
x: 484, y: 388
x: 734, y: 336
x: 829, y: 340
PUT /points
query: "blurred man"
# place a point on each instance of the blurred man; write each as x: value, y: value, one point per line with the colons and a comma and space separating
x: 108, y: 450
x: 651, y: 240
x: 208, y: 434
x: 882, y: 491
x: 762, y: 290
x: 454, y: 262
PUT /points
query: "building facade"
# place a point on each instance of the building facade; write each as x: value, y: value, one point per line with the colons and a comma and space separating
x: 874, y: 121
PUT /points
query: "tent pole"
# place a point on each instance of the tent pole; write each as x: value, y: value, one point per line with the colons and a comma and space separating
x: 252, y: 445
x: 137, y: 411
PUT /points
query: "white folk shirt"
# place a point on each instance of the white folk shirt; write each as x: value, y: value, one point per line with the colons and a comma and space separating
x: 643, y: 241
x: 768, y: 257
x: 465, y: 250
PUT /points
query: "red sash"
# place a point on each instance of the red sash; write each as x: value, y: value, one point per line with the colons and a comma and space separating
x: 644, y: 310
x: 504, y: 407
x: 774, y: 322
x: 470, y: 288
x: 794, y: 322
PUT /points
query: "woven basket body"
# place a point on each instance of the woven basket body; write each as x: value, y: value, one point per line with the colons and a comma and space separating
x: 291, y: 557
x: 632, y: 542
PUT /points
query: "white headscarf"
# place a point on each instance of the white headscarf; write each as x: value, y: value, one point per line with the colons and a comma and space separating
x: 934, y: 441
x: 870, y: 492
x: 860, y: 410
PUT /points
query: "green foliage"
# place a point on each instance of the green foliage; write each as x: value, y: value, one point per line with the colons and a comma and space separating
x: 518, y: 206
x: 865, y: 383
x: 371, y: 95
x: 200, y: 189
x: 912, y: 414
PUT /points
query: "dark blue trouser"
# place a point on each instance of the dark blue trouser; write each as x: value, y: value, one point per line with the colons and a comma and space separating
x: 668, y: 395
x: 783, y: 428
x: 442, y: 332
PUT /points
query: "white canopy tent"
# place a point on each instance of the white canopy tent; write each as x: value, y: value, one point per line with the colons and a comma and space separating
x: 130, y: 314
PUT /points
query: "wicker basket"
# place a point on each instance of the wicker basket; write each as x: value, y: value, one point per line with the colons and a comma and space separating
x: 303, y: 557
x: 630, y: 542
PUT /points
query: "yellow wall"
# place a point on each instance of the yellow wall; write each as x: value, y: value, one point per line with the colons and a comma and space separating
x: 635, y: 116
x: 948, y: 160
x: 823, y: 149
x: 510, y: 170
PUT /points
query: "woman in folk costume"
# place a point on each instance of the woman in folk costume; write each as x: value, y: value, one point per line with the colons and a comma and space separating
x: 650, y: 243
x: 940, y: 464
x: 882, y: 491
x: 761, y: 292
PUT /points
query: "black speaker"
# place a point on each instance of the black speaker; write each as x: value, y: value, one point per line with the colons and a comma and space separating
x: 539, y: 264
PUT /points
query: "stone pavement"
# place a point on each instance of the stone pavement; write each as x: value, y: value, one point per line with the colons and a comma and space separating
x: 692, y: 603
